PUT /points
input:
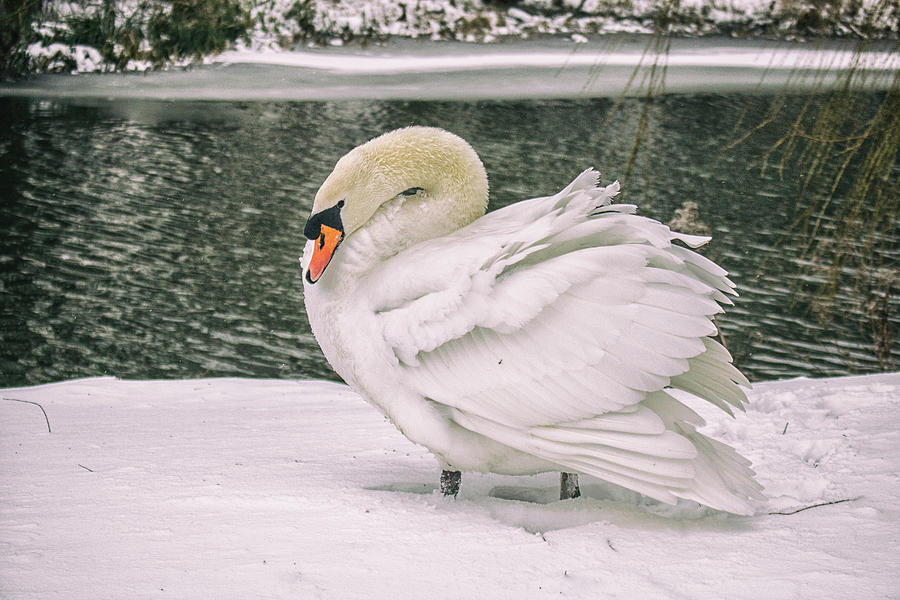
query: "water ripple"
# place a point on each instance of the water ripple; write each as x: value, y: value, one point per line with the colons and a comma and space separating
x: 160, y: 240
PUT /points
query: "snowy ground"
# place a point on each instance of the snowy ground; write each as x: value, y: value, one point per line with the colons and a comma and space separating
x: 233, y: 488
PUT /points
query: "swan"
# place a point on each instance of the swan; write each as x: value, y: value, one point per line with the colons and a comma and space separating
x: 543, y: 336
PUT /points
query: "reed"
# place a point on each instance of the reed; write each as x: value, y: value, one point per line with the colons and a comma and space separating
x: 649, y: 75
x: 842, y: 149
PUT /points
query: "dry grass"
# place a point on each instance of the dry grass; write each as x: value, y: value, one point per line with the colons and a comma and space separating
x: 842, y: 147
x: 842, y: 150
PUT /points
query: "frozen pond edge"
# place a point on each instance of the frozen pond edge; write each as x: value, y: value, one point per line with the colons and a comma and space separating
x: 606, y: 66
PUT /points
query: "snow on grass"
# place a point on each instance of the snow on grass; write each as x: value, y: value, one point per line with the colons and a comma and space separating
x: 483, y: 20
x: 235, y: 488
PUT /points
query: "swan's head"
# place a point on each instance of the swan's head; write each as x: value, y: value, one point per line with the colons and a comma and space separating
x: 425, y: 162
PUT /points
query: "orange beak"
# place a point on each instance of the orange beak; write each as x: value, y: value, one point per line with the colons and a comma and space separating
x: 327, y: 242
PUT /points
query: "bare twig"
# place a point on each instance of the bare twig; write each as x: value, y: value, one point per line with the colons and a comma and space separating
x: 85, y: 468
x: 720, y: 333
x: 793, y: 512
x: 36, y: 404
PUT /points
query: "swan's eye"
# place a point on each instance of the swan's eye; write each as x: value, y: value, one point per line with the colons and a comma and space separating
x: 411, y: 191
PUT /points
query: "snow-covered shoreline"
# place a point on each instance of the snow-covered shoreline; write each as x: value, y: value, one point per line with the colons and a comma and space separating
x: 65, y: 41
x: 239, y: 488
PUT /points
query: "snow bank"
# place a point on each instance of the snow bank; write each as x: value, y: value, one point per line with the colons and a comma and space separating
x: 234, y: 488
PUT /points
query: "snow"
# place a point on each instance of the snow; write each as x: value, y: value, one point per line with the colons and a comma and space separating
x: 482, y: 20
x: 86, y: 58
x: 238, y: 488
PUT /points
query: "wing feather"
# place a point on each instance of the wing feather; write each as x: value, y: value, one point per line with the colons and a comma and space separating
x: 559, y: 337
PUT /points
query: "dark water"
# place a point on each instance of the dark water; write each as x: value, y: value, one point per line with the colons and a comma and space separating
x: 161, y: 240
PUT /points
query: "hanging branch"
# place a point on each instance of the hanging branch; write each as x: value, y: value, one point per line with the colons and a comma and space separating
x: 36, y: 404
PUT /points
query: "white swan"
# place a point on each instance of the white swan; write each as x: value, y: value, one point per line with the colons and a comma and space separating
x: 539, y: 337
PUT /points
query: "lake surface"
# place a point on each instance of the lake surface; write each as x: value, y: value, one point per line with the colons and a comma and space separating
x: 156, y: 239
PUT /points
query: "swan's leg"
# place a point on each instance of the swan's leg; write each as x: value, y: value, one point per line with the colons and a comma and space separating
x: 450, y: 482
x: 568, y: 486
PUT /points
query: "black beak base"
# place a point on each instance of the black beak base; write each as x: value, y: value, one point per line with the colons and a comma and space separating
x: 329, y: 216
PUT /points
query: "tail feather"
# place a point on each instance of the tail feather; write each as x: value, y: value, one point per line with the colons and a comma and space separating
x: 724, y: 479
x: 678, y: 462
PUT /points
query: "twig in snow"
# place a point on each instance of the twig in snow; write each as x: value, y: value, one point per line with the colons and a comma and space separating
x: 36, y: 404
x: 85, y: 468
x: 784, y: 431
x: 794, y: 512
